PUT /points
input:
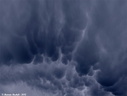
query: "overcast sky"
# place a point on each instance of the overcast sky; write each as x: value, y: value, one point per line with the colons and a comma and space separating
x: 63, y: 47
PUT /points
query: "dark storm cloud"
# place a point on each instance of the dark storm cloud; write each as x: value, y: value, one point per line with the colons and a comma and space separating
x: 110, y: 23
x: 42, y: 78
x: 64, y: 47
x: 42, y: 29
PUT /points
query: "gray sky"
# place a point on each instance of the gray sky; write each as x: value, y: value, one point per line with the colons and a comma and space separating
x: 63, y: 47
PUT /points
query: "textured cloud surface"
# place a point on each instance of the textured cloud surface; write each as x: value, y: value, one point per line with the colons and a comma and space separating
x: 63, y: 47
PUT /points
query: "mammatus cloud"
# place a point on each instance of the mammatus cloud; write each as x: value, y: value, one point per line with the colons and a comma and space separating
x: 49, y: 78
x: 63, y: 47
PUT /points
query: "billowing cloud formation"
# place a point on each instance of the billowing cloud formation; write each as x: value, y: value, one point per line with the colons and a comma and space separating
x: 63, y: 47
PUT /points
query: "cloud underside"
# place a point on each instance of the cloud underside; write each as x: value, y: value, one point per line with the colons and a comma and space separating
x: 63, y: 47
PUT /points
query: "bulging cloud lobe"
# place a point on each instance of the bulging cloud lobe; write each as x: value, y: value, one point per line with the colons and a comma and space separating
x: 63, y: 47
